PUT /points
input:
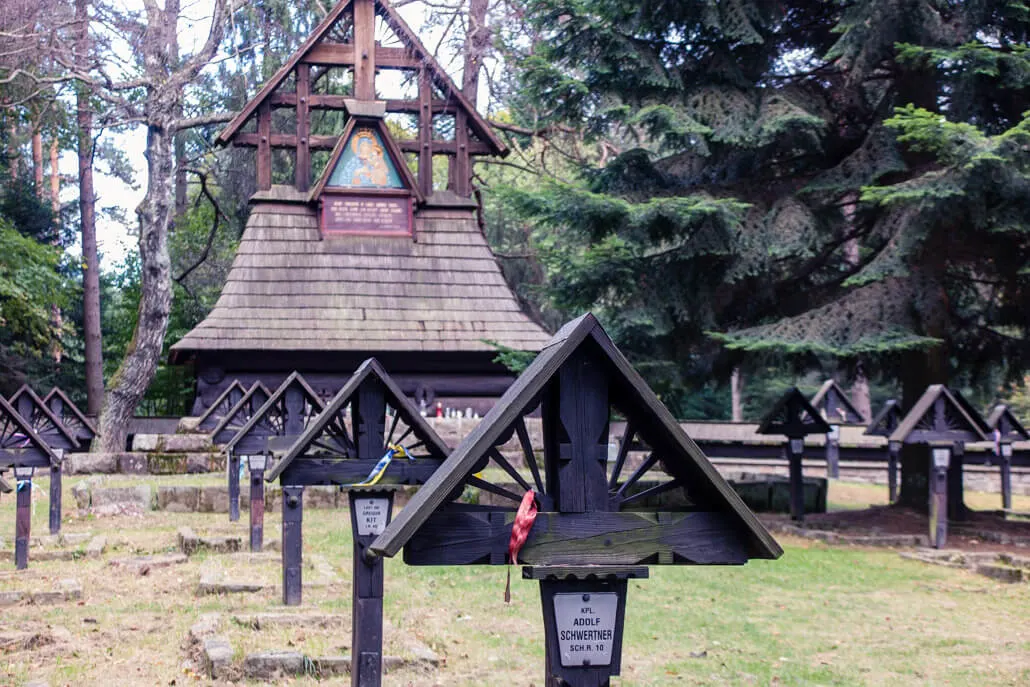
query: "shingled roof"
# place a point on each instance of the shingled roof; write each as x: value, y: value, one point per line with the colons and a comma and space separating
x: 289, y: 290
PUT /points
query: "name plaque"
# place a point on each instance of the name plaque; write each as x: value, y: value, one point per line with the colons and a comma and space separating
x: 366, y: 214
x: 586, y: 628
x: 372, y: 515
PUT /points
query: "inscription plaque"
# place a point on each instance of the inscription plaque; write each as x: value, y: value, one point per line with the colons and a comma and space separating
x: 371, y: 515
x: 586, y: 628
x: 366, y: 214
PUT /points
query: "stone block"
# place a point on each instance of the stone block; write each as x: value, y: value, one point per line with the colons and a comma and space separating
x: 214, y: 583
x: 96, y: 547
x: 215, y: 500
x: 187, y: 424
x: 217, y: 657
x: 70, y: 588
x: 86, y: 463
x: 66, y: 590
x: 10, y: 598
x: 200, y: 463
x: 120, y: 500
x: 331, y: 665
x: 178, y: 499
x: 142, y: 565
x: 999, y: 572
x: 186, y: 443
x: 145, y: 442
x: 269, y: 665
x: 74, y: 538
x: 188, y: 540
x: 207, y: 624
x: 133, y: 464
x: 167, y: 463
x: 261, y: 621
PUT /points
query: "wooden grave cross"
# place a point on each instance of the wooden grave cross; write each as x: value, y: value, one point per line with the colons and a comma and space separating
x: 1005, y: 428
x: 24, y: 451
x: 837, y: 410
x: 883, y: 424
x: 227, y: 428
x: 282, y: 418
x: 57, y: 436
x: 941, y: 421
x: 344, y: 446
x: 597, y: 526
x: 222, y: 406
x: 70, y: 416
x: 794, y: 417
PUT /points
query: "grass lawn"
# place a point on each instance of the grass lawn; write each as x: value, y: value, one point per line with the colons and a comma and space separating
x: 820, y: 615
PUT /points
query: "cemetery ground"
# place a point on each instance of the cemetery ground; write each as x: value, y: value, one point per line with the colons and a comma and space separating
x: 821, y: 614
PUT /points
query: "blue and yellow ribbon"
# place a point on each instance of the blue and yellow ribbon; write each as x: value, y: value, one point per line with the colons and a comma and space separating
x: 380, y: 468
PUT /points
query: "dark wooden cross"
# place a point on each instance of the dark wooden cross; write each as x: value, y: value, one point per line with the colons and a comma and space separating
x: 70, y: 416
x: 343, y: 446
x: 226, y: 429
x: 1005, y: 428
x: 941, y: 421
x: 599, y: 522
x: 222, y: 406
x: 833, y: 404
x: 794, y: 417
x: 883, y: 425
x: 57, y: 436
x: 24, y: 451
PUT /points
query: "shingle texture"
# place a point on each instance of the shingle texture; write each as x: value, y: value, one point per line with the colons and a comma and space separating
x: 290, y: 290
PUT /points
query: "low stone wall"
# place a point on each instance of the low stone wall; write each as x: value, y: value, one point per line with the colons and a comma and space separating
x: 140, y: 463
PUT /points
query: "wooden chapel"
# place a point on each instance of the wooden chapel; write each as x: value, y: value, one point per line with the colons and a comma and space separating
x: 362, y: 238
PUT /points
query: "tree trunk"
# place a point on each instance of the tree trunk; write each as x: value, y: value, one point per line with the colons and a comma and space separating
x: 87, y: 213
x: 129, y: 384
x: 37, y: 161
x: 860, y: 394
x: 737, y: 395
x: 55, y: 207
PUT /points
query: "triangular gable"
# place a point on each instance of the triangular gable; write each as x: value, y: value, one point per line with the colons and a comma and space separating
x: 42, y: 420
x: 293, y: 403
x: 19, y: 443
x: 330, y: 436
x: 1007, y: 425
x: 793, y: 416
x: 834, y: 405
x: 346, y: 168
x: 678, y: 454
x: 256, y: 396
x: 476, y: 121
x: 222, y: 406
x: 972, y: 412
x: 70, y: 415
x: 937, y: 417
x: 885, y: 421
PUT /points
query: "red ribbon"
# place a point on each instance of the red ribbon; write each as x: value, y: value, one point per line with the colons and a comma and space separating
x: 524, y: 519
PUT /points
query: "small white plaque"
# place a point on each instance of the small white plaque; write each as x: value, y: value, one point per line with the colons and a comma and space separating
x: 586, y: 628
x: 371, y: 515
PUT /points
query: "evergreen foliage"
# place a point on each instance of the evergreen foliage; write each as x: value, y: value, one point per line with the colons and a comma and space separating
x: 796, y: 178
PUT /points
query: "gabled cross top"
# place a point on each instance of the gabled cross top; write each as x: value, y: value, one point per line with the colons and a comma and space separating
x: 583, y: 438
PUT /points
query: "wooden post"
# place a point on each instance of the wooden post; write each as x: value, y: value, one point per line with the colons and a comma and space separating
x: 1005, y: 463
x: 233, y: 465
x: 364, y: 50
x: 264, y: 148
x: 795, y: 449
x: 425, y: 133
x: 833, y: 452
x: 956, y: 502
x: 940, y: 458
x: 22, y: 524
x: 303, y: 166
x: 893, y: 450
x: 370, y: 512
x: 293, y: 511
x: 55, y: 492
x: 257, y: 508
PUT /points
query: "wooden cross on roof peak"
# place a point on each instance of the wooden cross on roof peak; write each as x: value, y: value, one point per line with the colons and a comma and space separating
x: 886, y: 421
x: 19, y: 443
x: 239, y: 414
x: 939, y: 417
x: 42, y: 420
x: 346, y: 41
x: 290, y: 408
x: 1006, y: 424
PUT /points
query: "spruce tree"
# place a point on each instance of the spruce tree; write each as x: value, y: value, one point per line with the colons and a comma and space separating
x: 796, y: 177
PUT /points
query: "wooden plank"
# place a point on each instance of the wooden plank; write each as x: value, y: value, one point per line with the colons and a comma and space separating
x: 257, y: 510
x: 424, y: 145
x: 444, y: 147
x: 364, y: 50
x: 233, y: 466
x: 311, y: 472
x: 264, y: 150
x: 599, y: 538
x: 292, y: 544
x: 55, y: 497
x: 303, y: 166
x: 22, y: 524
x: 284, y: 141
